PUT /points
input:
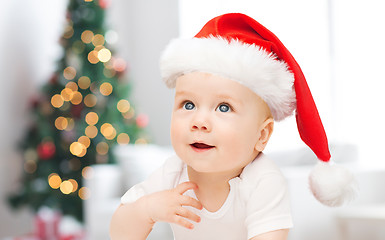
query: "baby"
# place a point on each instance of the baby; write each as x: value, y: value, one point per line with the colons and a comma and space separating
x: 232, y: 80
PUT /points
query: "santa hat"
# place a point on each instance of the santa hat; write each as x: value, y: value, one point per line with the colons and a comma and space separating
x: 237, y: 47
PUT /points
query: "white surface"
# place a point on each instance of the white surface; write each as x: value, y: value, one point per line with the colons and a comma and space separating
x: 362, y: 222
x: 311, y: 219
x: 107, y: 183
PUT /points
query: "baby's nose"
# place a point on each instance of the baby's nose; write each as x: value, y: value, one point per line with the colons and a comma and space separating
x: 201, y: 122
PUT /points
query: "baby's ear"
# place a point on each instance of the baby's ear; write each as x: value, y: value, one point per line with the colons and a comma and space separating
x: 264, y: 135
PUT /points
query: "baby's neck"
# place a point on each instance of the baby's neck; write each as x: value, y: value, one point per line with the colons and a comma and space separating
x: 213, y: 188
x: 211, y: 179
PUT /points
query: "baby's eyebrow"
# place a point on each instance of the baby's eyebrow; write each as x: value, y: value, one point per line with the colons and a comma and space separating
x: 178, y: 93
x: 227, y: 97
x: 221, y: 96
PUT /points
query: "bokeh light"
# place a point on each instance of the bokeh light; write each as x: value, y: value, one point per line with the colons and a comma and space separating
x: 98, y: 40
x: 104, y: 55
x: 106, y: 88
x: 87, y: 36
x: 30, y: 154
x: 111, y: 37
x: 74, y: 183
x: 90, y: 100
x: 77, y: 98
x: 102, y: 148
x: 78, y: 149
x: 123, y: 106
x: 57, y: 100
x: 69, y: 73
x: 130, y: 114
x: 92, y: 118
x: 84, y: 82
x: 91, y: 131
x: 88, y: 172
x: 108, y: 131
x: 142, y: 120
x: 109, y: 73
x: 119, y: 65
x: 66, y: 187
x: 112, y: 135
x: 54, y: 180
x: 123, y: 139
x: 141, y: 141
x: 93, y: 57
x: 68, y: 32
x: 67, y: 94
x: 61, y: 123
x: 85, y: 141
x: 84, y: 193
x: 84, y: 152
x: 71, y: 124
x: 73, y: 86
x: 65, y: 107
x: 30, y: 166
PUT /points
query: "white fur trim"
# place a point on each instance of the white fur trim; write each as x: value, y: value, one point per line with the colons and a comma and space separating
x: 332, y: 184
x: 247, y: 64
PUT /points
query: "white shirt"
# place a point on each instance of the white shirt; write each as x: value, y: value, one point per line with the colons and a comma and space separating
x: 258, y: 201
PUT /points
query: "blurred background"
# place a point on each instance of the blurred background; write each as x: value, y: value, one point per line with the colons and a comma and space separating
x: 109, y: 51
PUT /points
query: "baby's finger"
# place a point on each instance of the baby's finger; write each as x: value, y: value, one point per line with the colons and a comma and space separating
x: 183, y: 187
x: 183, y: 212
x: 183, y: 222
x: 189, y: 201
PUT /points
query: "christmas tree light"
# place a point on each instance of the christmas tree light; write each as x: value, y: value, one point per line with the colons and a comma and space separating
x: 80, y: 115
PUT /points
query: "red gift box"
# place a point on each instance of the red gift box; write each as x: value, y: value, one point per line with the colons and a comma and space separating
x: 47, y: 224
x: 29, y: 237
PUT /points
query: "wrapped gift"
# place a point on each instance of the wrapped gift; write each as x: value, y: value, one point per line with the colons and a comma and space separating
x: 28, y: 237
x: 70, y: 229
x: 47, y: 224
x: 77, y: 236
x: 51, y: 225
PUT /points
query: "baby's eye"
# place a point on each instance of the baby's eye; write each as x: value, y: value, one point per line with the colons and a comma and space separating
x: 223, y: 108
x: 189, y: 106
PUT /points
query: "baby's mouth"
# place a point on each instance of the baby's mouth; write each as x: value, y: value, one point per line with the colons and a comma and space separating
x: 201, y: 146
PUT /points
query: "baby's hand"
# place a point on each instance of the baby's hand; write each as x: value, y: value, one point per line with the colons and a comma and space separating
x: 168, y: 205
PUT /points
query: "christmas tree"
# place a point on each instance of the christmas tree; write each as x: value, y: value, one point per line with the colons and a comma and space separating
x: 80, y: 115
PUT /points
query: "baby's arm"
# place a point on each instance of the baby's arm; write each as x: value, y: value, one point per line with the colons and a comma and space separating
x: 274, y: 235
x: 135, y: 220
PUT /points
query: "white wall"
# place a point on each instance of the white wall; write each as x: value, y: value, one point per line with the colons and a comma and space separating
x: 28, y: 37
x: 359, y: 52
x: 144, y: 28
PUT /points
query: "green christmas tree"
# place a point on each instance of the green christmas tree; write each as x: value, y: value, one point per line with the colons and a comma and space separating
x: 80, y: 115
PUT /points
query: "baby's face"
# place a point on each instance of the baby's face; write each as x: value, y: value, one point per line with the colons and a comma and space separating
x: 216, y: 122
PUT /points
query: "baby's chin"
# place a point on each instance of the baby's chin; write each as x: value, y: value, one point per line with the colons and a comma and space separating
x: 205, y: 169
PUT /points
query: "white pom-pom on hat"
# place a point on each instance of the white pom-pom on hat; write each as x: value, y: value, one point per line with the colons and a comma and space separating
x: 332, y: 184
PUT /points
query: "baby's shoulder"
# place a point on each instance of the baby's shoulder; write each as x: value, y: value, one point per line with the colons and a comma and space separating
x: 256, y: 172
x: 166, y: 176
x: 173, y: 164
x: 170, y: 172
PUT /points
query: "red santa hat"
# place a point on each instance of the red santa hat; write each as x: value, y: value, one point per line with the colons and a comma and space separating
x: 237, y: 47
